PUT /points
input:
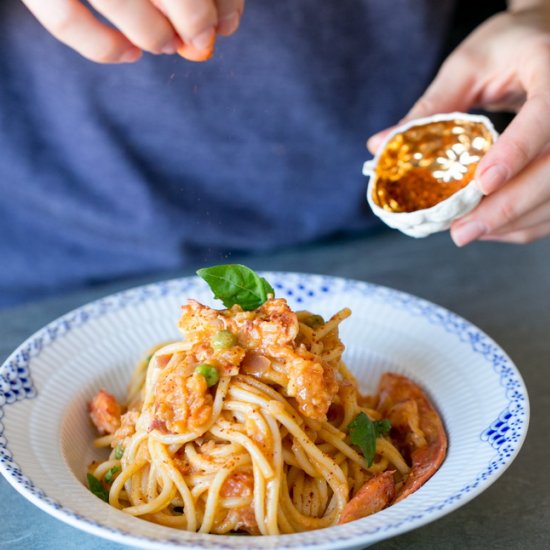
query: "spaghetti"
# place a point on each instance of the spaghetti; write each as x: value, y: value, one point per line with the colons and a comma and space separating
x: 244, y: 426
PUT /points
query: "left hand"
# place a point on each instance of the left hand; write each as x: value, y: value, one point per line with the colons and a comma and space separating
x: 503, y: 65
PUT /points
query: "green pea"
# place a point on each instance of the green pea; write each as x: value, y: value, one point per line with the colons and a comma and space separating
x: 223, y: 339
x: 314, y: 321
x: 119, y: 451
x: 209, y: 372
x: 109, y: 475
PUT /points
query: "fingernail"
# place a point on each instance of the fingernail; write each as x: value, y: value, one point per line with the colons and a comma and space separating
x: 467, y: 232
x: 204, y: 40
x: 171, y: 47
x: 492, y: 178
x: 129, y: 56
x: 229, y: 23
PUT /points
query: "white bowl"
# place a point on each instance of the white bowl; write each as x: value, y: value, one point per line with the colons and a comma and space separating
x: 421, y: 223
x: 46, y: 437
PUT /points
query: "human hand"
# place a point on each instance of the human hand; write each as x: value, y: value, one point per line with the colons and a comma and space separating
x: 188, y: 27
x: 503, y: 65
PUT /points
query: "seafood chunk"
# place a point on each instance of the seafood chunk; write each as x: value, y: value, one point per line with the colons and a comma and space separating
x: 105, y: 412
x: 416, y: 425
x: 375, y: 495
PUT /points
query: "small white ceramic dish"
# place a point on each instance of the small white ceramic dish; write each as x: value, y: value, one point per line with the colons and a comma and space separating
x: 45, y: 385
x: 424, y: 222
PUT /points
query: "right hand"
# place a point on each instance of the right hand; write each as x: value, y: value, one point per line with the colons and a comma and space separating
x: 188, y: 27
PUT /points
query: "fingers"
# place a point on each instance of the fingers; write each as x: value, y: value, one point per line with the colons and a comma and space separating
x: 519, y: 205
x: 141, y: 22
x: 229, y: 16
x: 195, y: 21
x: 375, y: 141
x: 74, y: 25
x: 157, y: 26
x: 522, y: 236
x: 523, y: 226
x: 452, y: 90
x: 525, y: 136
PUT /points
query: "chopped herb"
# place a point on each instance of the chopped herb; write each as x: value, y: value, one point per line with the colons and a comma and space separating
x: 97, y: 488
x: 109, y: 475
x: 209, y: 372
x: 148, y: 358
x: 119, y: 451
x: 363, y: 433
x: 237, y: 284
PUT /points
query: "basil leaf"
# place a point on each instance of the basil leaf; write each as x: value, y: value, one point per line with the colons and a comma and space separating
x: 97, y: 488
x: 382, y: 427
x: 237, y: 284
x: 363, y: 433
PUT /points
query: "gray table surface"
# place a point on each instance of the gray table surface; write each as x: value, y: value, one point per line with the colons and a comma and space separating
x: 503, y: 289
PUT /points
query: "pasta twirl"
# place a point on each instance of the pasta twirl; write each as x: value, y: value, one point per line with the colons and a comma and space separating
x: 244, y: 426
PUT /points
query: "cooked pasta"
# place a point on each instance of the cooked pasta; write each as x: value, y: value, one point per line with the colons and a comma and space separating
x: 244, y: 426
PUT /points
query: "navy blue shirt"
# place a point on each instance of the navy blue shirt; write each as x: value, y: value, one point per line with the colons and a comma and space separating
x: 109, y: 171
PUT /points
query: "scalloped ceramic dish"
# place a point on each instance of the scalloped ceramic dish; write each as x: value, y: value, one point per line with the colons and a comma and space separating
x: 45, y: 434
x: 438, y: 154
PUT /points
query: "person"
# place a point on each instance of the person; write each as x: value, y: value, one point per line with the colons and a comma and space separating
x: 145, y: 161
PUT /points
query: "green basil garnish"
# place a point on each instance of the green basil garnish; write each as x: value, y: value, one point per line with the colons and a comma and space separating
x: 363, y: 433
x: 97, y: 488
x: 237, y: 284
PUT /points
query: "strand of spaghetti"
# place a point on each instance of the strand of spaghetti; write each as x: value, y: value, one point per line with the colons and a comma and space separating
x: 169, y: 520
x: 332, y: 355
x: 303, y: 461
x: 212, y: 500
x: 386, y: 449
x: 298, y: 491
x: 161, y: 501
x: 166, y: 464
x: 322, y: 488
x: 343, y: 447
x: 223, y: 430
x: 152, y: 485
x: 289, y: 458
x: 196, y: 460
x: 118, y: 483
x: 274, y: 485
x: 235, y: 502
x: 104, y: 467
x: 284, y: 525
x: 298, y: 521
x: 379, y: 466
x: 260, y: 387
x: 241, y: 392
x: 327, y: 467
x: 103, y: 441
x: 332, y: 323
x: 259, y: 496
x: 250, y: 411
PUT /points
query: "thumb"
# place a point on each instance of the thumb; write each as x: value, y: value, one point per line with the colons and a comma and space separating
x: 451, y: 90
